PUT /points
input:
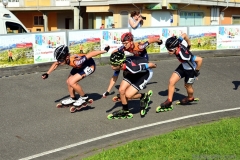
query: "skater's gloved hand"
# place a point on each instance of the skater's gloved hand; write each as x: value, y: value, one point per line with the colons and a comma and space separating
x: 197, y: 73
x: 105, y: 94
x: 160, y: 42
x: 189, y: 47
x: 106, y: 48
x: 152, y: 65
x: 44, y: 75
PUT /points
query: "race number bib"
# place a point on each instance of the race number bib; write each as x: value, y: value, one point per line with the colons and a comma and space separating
x: 191, y: 80
x: 88, y: 70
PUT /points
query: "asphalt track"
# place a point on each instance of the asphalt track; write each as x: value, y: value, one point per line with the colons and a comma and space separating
x: 33, y: 128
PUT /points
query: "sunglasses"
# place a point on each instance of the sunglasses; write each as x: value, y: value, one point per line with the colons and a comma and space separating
x: 125, y: 43
x: 115, y: 65
x: 171, y: 50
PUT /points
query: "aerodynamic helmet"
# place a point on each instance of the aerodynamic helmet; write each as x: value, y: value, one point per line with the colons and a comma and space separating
x: 127, y: 37
x: 172, y: 43
x: 117, y: 58
x: 61, y: 52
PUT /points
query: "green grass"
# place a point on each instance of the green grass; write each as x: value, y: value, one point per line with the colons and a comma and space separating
x: 216, y: 140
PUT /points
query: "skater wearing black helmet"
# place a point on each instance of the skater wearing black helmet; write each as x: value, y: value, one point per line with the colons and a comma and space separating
x: 136, y: 74
x: 136, y: 48
x: 83, y: 65
x: 188, y: 69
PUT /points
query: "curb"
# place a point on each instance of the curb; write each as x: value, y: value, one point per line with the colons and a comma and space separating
x: 43, y: 67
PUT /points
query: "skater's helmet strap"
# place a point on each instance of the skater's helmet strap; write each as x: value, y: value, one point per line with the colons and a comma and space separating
x: 61, y: 52
x: 117, y: 58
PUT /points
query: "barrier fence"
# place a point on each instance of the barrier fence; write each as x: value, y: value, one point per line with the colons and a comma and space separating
x: 33, y: 48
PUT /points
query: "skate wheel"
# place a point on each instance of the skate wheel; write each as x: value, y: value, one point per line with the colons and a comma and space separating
x: 59, y: 105
x: 158, y: 109
x: 178, y: 103
x: 150, y: 93
x: 84, y: 105
x: 143, y: 112
x: 90, y: 101
x: 73, y: 109
x: 116, y: 117
x: 110, y: 116
x: 78, y: 108
x: 115, y: 99
x: 196, y: 99
x: 130, y: 115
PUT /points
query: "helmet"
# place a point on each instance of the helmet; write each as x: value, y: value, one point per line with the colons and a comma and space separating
x: 172, y: 42
x: 117, y: 58
x: 127, y: 37
x: 61, y: 52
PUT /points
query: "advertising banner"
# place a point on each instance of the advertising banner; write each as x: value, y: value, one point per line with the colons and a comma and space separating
x: 203, y: 38
x: 112, y: 38
x: 228, y: 37
x: 45, y: 44
x: 143, y: 34
x: 169, y: 32
x: 16, y: 50
x: 84, y: 41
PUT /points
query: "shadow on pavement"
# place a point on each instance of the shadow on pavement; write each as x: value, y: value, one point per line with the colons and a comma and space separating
x: 236, y: 84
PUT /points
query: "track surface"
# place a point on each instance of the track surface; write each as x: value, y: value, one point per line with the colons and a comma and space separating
x: 31, y: 125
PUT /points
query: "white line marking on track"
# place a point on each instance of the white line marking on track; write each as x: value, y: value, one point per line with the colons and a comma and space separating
x: 124, y: 131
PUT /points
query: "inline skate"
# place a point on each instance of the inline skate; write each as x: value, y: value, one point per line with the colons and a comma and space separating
x: 66, y: 103
x: 165, y: 106
x: 144, y: 102
x: 186, y: 101
x: 120, y: 114
x: 80, y: 103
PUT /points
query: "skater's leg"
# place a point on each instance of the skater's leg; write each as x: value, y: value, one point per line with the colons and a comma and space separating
x: 70, y: 88
x: 73, y: 84
x: 171, y: 86
x: 122, y: 91
x: 190, y: 91
x: 132, y: 93
x: 190, y: 97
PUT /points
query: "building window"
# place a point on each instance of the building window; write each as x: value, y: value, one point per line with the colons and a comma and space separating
x: 124, y: 19
x: 191, y: 18
x: 38, y: 20
x: 236, y: 20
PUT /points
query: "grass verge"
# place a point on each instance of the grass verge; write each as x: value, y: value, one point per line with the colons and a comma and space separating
x: 217, y: 140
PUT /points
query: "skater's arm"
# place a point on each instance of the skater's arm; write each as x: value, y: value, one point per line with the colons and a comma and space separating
x: 112, y: 82
x: 95, y: 53
x: 155, y: 40
x: 198, y: 60
x: 52, y: 68
x: 185, y: 37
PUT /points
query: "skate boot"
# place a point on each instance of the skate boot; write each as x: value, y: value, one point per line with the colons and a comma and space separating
x: 165, y: 106
x: 80, y: 103
x: 144, y: 102
x: 120, y: 114
x: 116, y: 98
x: 186, y: 101
x: 66, y: 103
